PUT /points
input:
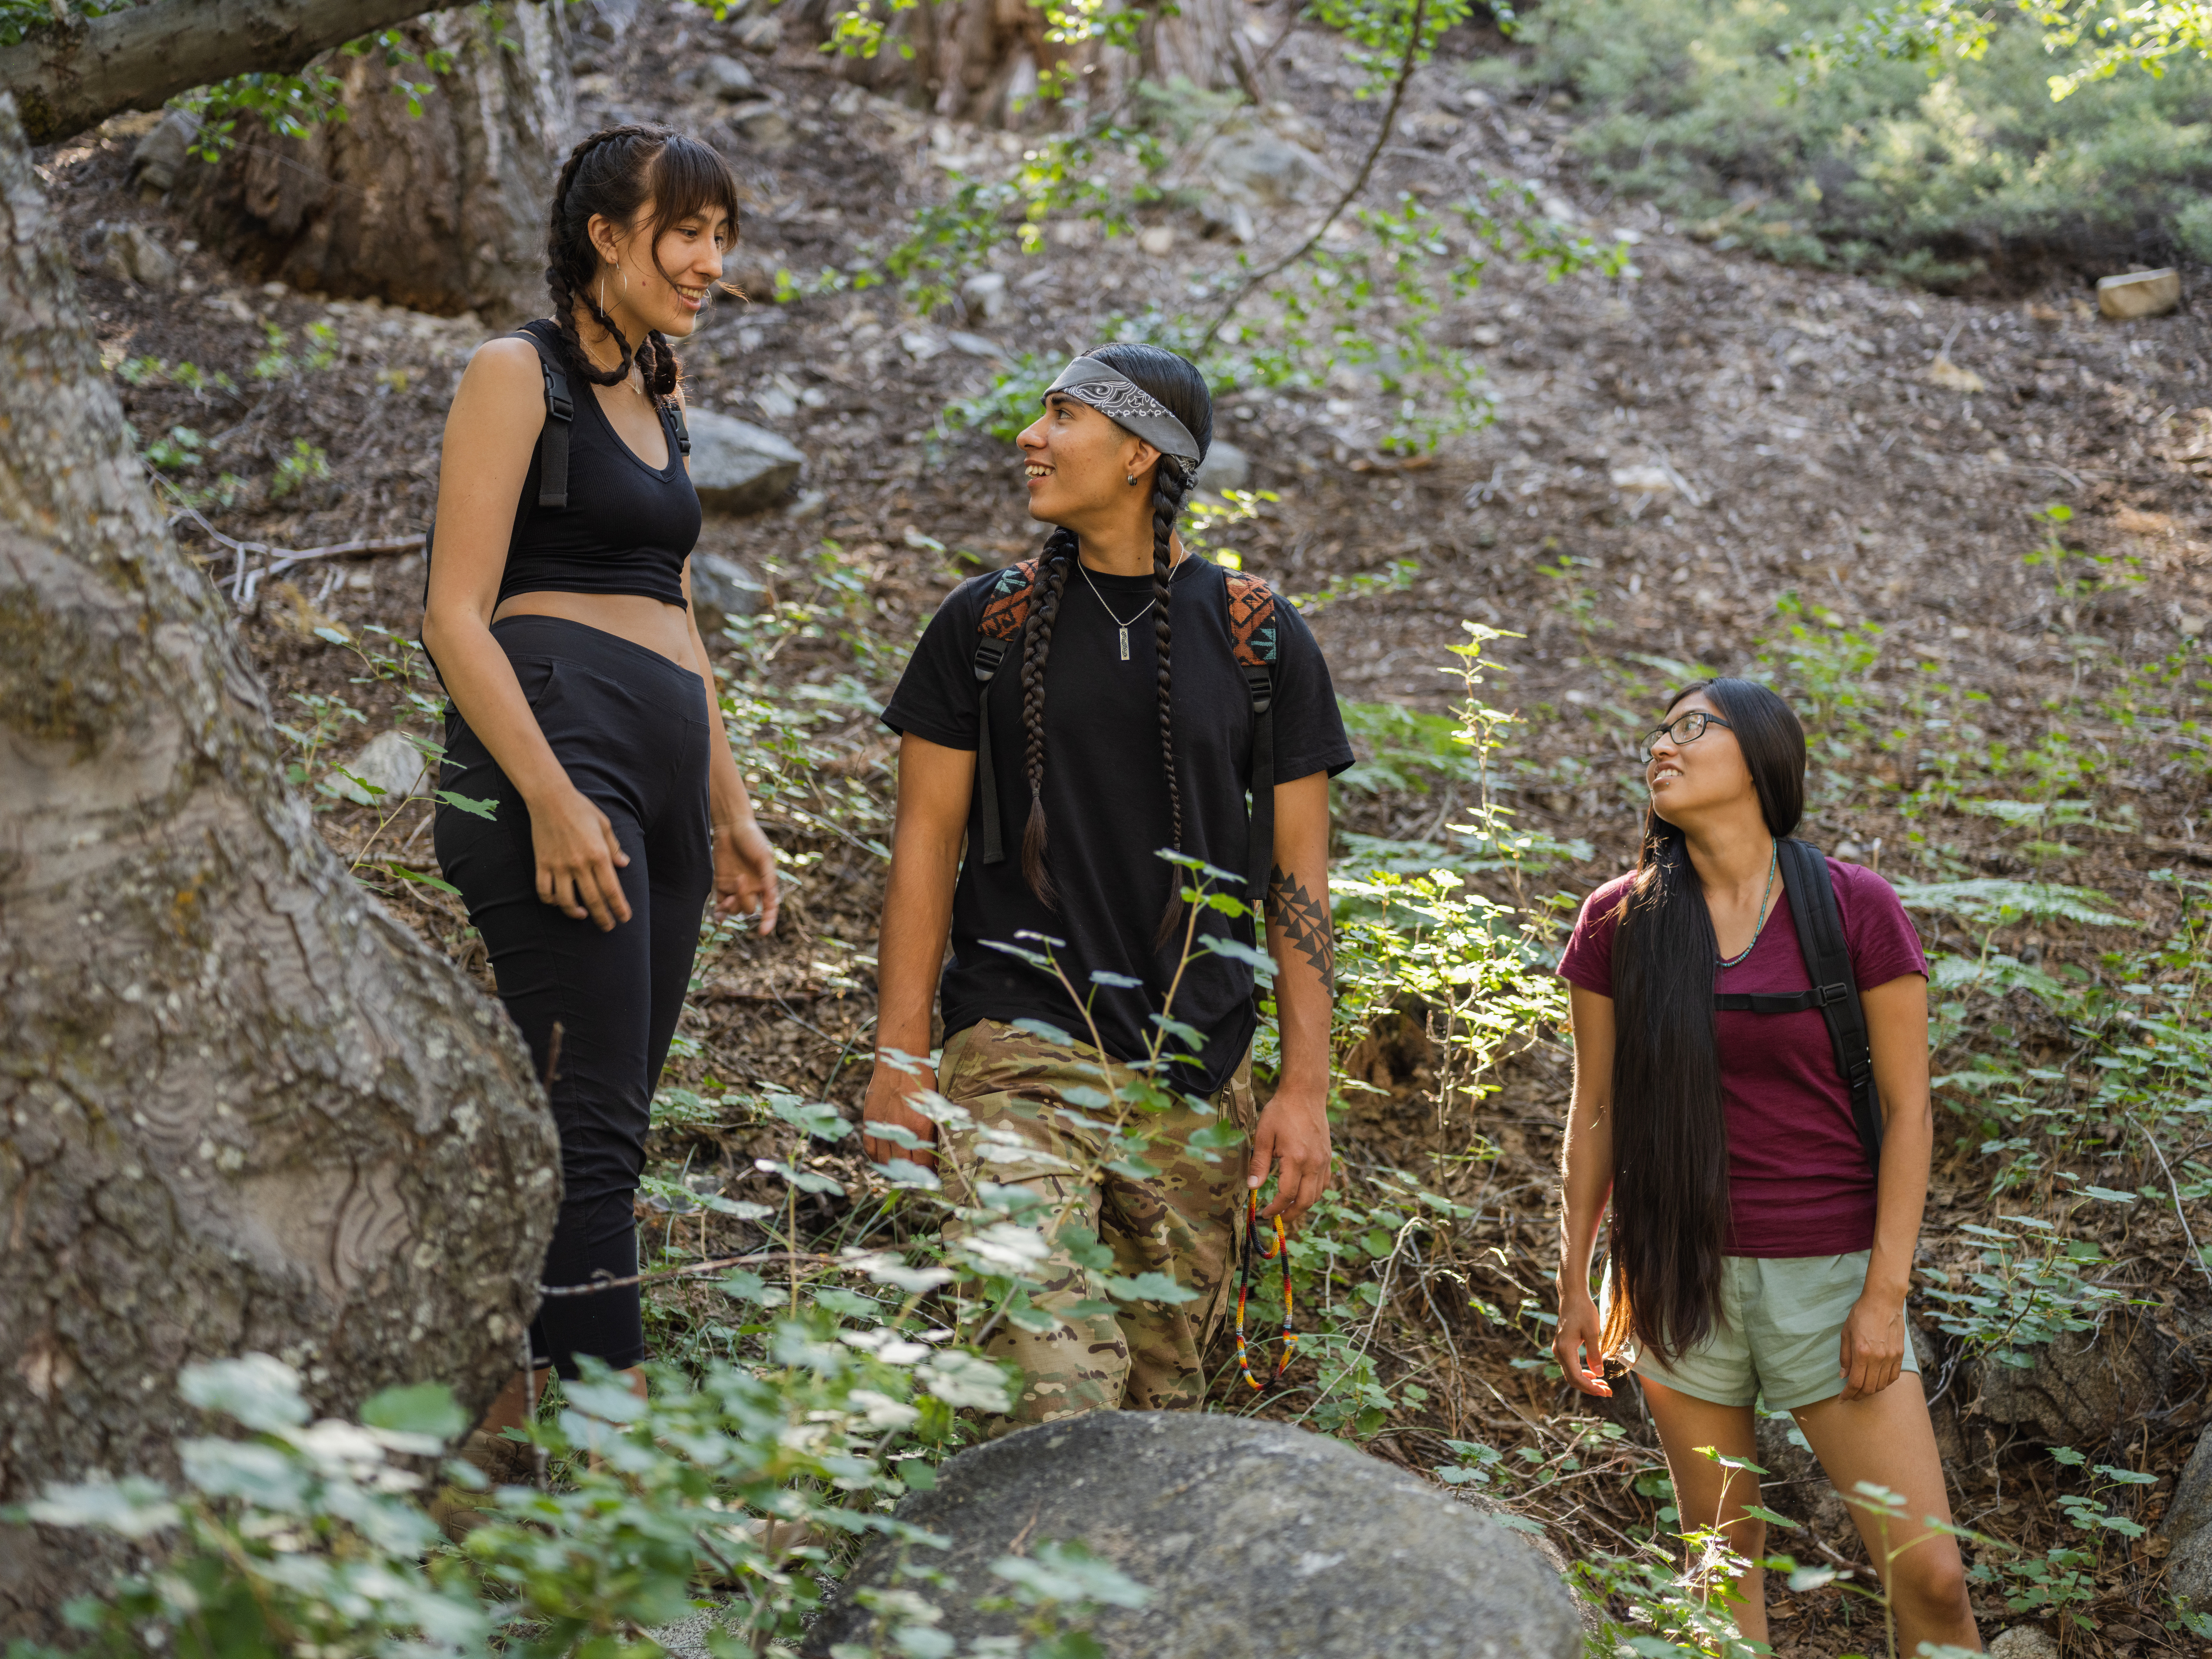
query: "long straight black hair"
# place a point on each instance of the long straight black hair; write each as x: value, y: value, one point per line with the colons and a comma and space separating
x: 1176, y: 382
x: 1670, y: 1193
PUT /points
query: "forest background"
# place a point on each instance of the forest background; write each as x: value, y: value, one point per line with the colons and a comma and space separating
x: 1560, y: 358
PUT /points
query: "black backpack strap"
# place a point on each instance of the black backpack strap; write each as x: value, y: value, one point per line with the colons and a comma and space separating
x: 1005, y: 613
x: 1252, y: 637
x: 1835, y: 990
x: 673, y: 412
x: 560, y: 412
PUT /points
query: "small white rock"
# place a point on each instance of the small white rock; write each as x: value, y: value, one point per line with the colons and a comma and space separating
x: 389, y: 761
x: 2139, y: 294
x: 984, y: 293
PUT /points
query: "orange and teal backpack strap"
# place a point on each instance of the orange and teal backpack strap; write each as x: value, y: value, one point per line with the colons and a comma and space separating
x: 1252, y: 636
x: 1005, y: 613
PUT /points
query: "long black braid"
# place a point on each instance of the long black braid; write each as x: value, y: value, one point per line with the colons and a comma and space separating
x: 1169, y: 486
x: 1056, y: 564
x: 613, y: 175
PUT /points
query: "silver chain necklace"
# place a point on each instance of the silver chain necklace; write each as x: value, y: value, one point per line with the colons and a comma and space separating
x: 1125, y: 626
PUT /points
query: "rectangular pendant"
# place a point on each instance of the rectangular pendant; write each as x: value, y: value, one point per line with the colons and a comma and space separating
x: 1125, y: 645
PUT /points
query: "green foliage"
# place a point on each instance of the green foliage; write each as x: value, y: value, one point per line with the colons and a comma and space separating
x: 304, y: 466
x: 2143, y: 34
x: 2031, y: 1287
x: 1478, y: 968
x: 1872, y: 165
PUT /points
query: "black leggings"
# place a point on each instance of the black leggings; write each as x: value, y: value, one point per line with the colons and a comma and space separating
x: 631, y: 729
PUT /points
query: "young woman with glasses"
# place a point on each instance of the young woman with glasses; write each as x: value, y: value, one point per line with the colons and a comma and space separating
x: 1755, y: 1250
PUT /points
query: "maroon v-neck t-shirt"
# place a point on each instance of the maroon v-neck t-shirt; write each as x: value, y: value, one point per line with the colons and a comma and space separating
x: 1799, y: 1183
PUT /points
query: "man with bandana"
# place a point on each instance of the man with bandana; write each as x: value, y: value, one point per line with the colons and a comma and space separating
x: 1062, y: 723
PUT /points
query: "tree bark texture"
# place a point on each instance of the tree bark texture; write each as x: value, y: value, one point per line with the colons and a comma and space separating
x: 83, y: 69
x: 982, y: 60
x: 443, y: 212
x: 241, y: 1107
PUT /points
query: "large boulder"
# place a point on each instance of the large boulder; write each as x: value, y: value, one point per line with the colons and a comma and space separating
x: 2188, y: 1529
x: 2083, y: 1388
x: 1257, y: 1541
x: 738, y: 467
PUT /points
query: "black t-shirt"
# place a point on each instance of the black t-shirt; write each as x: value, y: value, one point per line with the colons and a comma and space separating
x: 1106, y: 803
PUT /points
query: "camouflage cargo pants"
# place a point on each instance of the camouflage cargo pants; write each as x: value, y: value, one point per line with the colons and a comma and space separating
x: 1183, y: 1222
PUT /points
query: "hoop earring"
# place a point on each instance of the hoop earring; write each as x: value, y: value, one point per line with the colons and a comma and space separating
x: 1132, y: 478
x: 603, y: 293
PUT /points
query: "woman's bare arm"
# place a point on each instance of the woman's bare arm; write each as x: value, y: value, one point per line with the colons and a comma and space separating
x: 934, y: 784
x: 744, y: 863
x: 1585, y: 1184
x: 1872, y: 1348
x: 491, y: 431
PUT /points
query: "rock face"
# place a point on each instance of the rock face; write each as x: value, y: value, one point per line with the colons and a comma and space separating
x: 2188, y: 1529
x: 721, y: 588
x: 1257, y: 1541
x: 1225, y: 467
x: 738, y: 467
x: 131, y: 253
x: 1259, y: 167
x: 2083, y: 1388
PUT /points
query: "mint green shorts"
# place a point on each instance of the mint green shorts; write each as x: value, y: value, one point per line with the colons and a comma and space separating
x: 1780, y: 1333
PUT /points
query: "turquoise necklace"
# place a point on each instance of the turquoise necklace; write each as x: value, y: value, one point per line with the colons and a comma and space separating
x: 1773, y: 858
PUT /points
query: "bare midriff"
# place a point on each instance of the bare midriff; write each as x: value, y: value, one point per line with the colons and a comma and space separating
x: 653, y: 624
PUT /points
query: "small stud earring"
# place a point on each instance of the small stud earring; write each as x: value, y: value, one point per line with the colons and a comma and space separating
x: 1133, y: 478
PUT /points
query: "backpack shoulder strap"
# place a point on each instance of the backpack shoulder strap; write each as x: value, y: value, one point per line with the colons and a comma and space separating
x: 1252, y: 637
x: 560, y: 412
x: 1811, y: 890
x: 1005, y: 613
x: 673, y: 410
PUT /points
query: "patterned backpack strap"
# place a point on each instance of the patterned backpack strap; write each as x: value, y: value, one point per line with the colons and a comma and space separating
x: 1005, y: 613
x: 1252, y: 636
x: 1006, y: 607
x: 1251, y: 620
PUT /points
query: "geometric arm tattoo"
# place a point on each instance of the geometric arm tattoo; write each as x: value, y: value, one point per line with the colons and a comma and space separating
x: 1304, y: 921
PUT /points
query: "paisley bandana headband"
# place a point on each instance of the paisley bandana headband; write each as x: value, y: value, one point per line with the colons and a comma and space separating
x: 1128, y: 405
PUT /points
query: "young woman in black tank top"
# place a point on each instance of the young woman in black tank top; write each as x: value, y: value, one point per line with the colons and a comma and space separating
x: 584, y: 702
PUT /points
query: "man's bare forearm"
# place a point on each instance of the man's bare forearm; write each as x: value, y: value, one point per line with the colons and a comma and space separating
x: 1303, y: 941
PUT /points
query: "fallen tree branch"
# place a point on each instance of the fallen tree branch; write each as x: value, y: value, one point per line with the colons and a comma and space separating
x: 83, y: 69
x: 244, y: 581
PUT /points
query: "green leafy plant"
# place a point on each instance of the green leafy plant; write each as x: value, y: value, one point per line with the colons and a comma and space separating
x: 307, y: 464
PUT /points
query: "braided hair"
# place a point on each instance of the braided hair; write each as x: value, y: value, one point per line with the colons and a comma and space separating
x: 614, y: 175
x: 1053, y: 569
x: 1177, y: 384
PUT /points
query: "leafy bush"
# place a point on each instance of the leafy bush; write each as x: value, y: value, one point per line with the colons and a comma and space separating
x: 1872, y: 163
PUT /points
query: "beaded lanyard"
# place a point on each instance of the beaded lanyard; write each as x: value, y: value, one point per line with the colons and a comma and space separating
x: 1275, y: 1247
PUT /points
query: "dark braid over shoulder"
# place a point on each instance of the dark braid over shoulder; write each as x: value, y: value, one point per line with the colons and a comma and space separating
x: 1054, y: 566
x: 1169, y: 486
x: 615, y: 174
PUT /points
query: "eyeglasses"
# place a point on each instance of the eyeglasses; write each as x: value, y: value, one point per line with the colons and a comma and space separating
x: 1277, y: 1246
x: 1683, y: 729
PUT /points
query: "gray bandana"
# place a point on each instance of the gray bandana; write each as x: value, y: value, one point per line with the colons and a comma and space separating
x: 1129, y: 406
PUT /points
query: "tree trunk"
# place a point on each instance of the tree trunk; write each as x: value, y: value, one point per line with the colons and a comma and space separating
x: 982, y: 60
x: 241, y: 1107
x: 445, y: 211
x: 78, y: 71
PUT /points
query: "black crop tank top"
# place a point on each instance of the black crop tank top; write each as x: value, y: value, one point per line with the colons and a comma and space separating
x: 628, y: 527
